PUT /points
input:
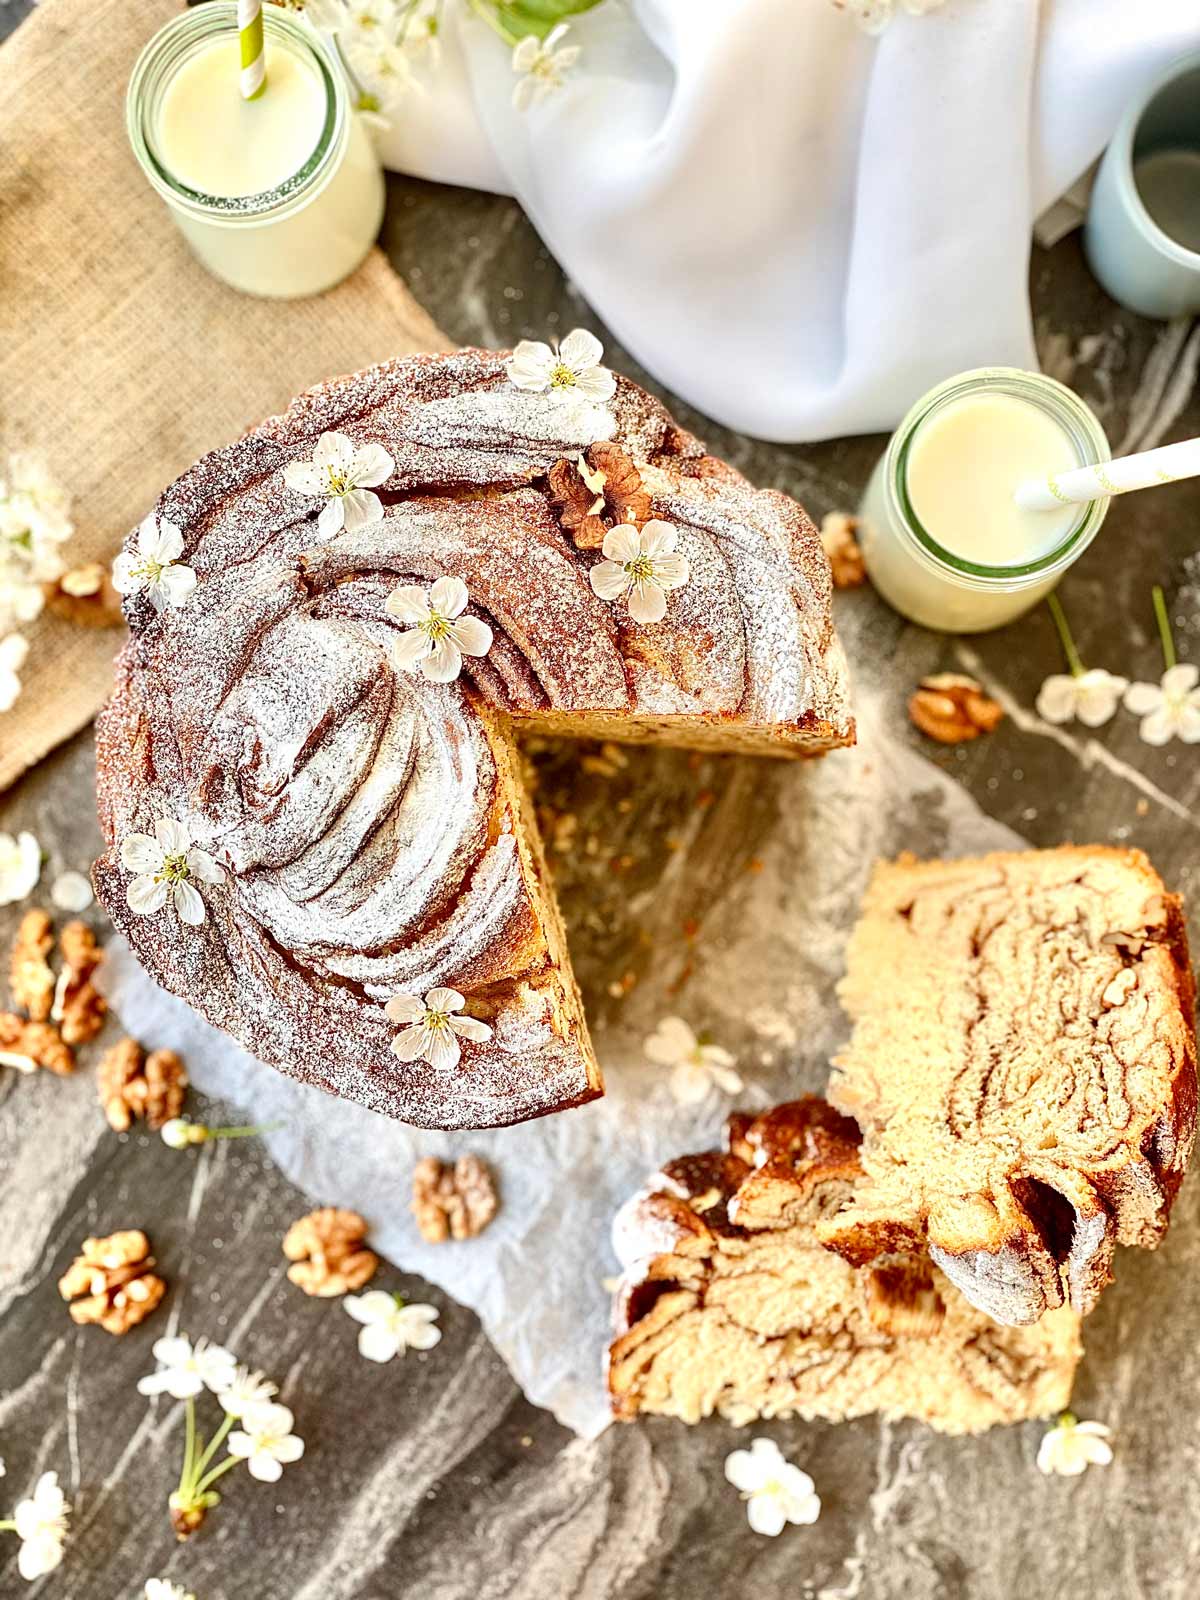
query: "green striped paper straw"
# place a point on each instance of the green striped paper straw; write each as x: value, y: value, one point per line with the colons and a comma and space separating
x: 254, y: 61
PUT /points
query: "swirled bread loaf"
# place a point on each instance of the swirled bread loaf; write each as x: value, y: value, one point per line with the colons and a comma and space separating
x: 1022, y: 1067
x: 366, y: 826
x: 730, y: 1303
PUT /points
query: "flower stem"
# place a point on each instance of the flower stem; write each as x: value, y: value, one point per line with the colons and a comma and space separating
x: 8, y: 1527
x: 486, y: 14
x: 246, y: 1131
x: 218, y: 1471
x: 214, y: 1445
x: 189, y: 1449
x: 1064, y: 634
x: 1164, y: 627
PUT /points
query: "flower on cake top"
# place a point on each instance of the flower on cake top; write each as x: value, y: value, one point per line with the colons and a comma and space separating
x: 1170, y: 708
x: 570, y: 370
x: 186, y: 1369
x: 433, y: 1027
x: 265, y: 1441
x: 40, y: 1522
x: 695, y: 1063
x: 389, y: 1326
x: 154, y: 568
x: 439, y: 636
x: 542, y: 65
x: 20, y: 866
x: 640, y: 568
x: 13, y: 651
x: 776, y: 1491
x: 1089, y: 694
x: 164, y: 1589
x: 168, y: 865
x: 1071, y: 1447
x: 346, y: 475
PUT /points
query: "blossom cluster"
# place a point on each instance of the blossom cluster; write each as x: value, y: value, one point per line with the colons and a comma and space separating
x: 34, y: 526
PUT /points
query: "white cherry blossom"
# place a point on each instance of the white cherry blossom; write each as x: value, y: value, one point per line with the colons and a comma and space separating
x: 164, y: 1589
x: 571, y: 369
x: 154, y: 568
x: 13, y: 651
x: 776, y: 1491
x: 167, y: 865
x: 695, y: 1066
x: 439, y: 635
x: 33, y: 502
x: 1071, y: 1447
x: 640, y: 568
x: 542, y: 65
x: 345, y: 475
x: 186, y: 1369
x: 433, y: 1027
x: 244, y: 1390
x: 40, y: 1522
x: 1169, y: 709
x: 1090, y: 697
x: 266, y: 1442
x: 389, y: 1326
x: 20, y: 866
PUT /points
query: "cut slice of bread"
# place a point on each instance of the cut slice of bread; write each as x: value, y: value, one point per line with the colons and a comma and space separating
x: 730, y: 1304
x: 1022, y: 1068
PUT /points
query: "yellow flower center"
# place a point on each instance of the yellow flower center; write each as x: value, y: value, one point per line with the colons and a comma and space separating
x: 152, y: 571
x: 438, y: 628
x: 561, y: 376
x: 437, y: 1021
x: 174, y: 870
x: 339, y: 483
x: 640, y: 568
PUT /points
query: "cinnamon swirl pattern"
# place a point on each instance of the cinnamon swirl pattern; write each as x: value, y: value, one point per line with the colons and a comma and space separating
x: 367, y: 821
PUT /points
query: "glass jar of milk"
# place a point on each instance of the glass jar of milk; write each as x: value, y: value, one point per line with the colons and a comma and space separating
x: 280, y: 195
x: 943, y: 539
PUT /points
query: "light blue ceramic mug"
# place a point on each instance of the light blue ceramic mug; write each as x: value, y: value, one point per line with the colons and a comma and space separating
x: 1143, y: 227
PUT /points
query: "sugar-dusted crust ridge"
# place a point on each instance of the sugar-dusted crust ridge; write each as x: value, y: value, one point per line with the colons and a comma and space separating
x: 370, y: 824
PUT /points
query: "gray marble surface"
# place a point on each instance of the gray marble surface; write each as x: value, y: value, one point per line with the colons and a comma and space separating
x: 434, y: 1477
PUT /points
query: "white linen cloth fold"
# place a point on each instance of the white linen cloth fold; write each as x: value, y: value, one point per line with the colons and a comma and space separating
x: 794, y: 225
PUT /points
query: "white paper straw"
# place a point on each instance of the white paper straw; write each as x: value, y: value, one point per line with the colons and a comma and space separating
x: 253, y: 56
x: 1167, y: 464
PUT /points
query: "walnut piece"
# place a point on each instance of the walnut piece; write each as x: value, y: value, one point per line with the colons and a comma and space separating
x: 951, y: 708
x: 110, y: 1283
x: 327, y: 1248
x: 453, y: 1202
x: 595, y: 492
x: 30, y: 976
x: 132, y: 1084
x: 85, y: 596
x: 79, y: 1007
x: 839, y: 536
x: 28, y: 1045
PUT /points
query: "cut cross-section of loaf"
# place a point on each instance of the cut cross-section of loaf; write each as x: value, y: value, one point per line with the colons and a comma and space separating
x: 1022, y: 1067
x: 729, y: 1303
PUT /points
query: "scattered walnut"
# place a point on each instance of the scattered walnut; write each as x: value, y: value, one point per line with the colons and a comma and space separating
x: 453, y: 1202
x: 30, y: 975
x: 327, y: 1247
x: 86, y: 596
x: 111, y: 1282
x: 79, y: 1007
x: 131, y: 1085
x: 595, y: 492
x: 26, y: 1045
x: 839, y: 535
x: 951, y: 708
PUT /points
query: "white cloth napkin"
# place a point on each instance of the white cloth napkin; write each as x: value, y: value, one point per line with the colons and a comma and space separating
x: 794, y: 225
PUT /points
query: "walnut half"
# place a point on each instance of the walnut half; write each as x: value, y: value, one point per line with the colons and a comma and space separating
x: 952, y: 708
x: 110, y: 1283
x: 327, y: 1247
x: 132, y: 1084
x: 453, y: 1202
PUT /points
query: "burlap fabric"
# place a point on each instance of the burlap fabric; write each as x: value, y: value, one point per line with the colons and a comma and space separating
x: 121, y: 360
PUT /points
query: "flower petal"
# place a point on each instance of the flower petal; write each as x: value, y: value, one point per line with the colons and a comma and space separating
x: 765, y: 1514
x: 409, y: 1043
x: 408, y: 603
x: 1187, y: 721
x: 445, y: 1000
x: 378, y: 1343
x: 411, y: 648
x: 404, y: 1008
x: 670, y: 1042
x: 472, y: 636
x: 288, y: 1449
x: 743, y: 1470
x: 188, y: 904
x: 145, y: 896
x: 1142, y: 698
x: 1159, y: 727
x: 647, y: 602
x: 372, y: 466
x: 671, y: 571
x: 471, y: 1028
x: 609, y: 580
x: 448, y: 597
x: 264, y: 1467
x: 332, y: 518
x: 443, y: 663
x: 580, y: 349
x: 443, y: 1053
x: 622, y: 543
x: 597, y: 384
x: 141, y: 853
x: 201, y: 865
x: 361, y: 508
x: 1180, y: 680
x: 375, y: 1306
x: 334, y: 450
x: 177, y: 584
x: 530, y: 364
x: 689, y: 1083
x: 657, y: 538
x: 304, y: 477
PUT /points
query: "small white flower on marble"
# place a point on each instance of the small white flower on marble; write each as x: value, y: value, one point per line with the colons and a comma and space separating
x: 696, y: 1065
x: 164, y: 1589
x: 640, y: 568
x: 154, y: 568
x: 168, y: 865
x: 71, y: 891
x: 542, y: 66
x: 186, y: 1369
x: 1090, y: 697
x: 1071, y: 1447
x: 265, y: 1442
x: 776, y: 1491
x: 20, y: 866
x: 571, y: 369
x: 389, y: 1326
x: 40, y: 1522
x: 245, y: 1390
x: 433, y: 1027
x: 13, y: 651
x: 439, y: 635
x: 345, y: 475
x: 1169, y: 709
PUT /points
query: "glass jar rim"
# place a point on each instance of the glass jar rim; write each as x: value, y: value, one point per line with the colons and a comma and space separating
x: 174, y: 42
x: 1081, y: 426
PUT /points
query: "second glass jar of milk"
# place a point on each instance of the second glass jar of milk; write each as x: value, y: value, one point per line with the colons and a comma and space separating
x: 281, y: 195
x: 943, y: 539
